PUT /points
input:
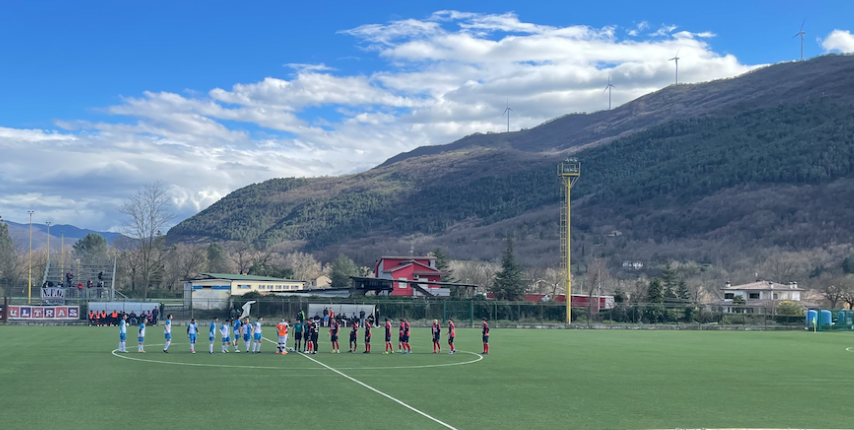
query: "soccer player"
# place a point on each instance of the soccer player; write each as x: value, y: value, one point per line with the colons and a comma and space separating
x: 406, y: 331
x: 167, y: 332
x: 315, y: 333
x: 238, y: 328
x: 333, y: 336
x: 307, y: 335
x: 437, y: 333
x: 388, y: 345
x: 123, y: 335
x: 367, y: 339
x: 226, y: 341
x: 141, y: 338
x: 354, y: 332
x: 485, y: 337
x: 298, y: 336
x: 452, y: 331
x: 256, y: 336
x: 400, y: 337
x: 247, y: 333
x: 282, y: 331
x: 212, y: 334
x: 192, y: 333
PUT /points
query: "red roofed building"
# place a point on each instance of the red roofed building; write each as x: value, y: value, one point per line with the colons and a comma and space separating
x: 410, y: 269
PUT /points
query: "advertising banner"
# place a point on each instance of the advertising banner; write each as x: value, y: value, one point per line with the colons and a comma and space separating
x: 44, y: 312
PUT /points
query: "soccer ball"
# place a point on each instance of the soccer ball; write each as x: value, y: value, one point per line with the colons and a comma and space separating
x: 290, y: 349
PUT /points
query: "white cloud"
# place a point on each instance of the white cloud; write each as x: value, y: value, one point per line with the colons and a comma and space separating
x: 838, y: 40
x: 445, y: 76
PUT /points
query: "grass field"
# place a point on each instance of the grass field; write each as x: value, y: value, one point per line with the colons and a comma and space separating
x: 67, y: 378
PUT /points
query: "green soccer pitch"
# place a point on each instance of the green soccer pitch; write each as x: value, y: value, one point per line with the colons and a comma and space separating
x: 68, y: 378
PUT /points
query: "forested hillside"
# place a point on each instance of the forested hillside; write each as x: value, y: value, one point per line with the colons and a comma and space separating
x: 753, y: 173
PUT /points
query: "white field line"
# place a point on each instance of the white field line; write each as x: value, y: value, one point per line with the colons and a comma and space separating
x: 379, y: 392
x: 850, y: 349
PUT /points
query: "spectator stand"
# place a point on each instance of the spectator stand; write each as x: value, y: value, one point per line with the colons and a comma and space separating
x: 103, y: 288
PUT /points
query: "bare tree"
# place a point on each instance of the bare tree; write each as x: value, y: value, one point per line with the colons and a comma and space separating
x: 479, y: 273
x: 148, y: 214
x: 305, y: 267
x: 183, y: 262
x: 244, y: 256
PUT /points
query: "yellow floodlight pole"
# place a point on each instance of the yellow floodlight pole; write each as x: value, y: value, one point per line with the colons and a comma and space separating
x: 569, y: 170
x: 30, y: 276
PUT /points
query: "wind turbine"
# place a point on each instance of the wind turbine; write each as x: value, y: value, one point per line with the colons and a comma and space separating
x: 801, y: 33
x: 507, y: 112
x: 608, y: 88
x: 676, y: 59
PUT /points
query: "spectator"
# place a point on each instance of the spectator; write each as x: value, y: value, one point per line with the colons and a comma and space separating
x: 80, y: 289
x: 103, y: 317
x: 326, y: 317
x: 154, y: 315
x: 114, y: 316
x: 97, y: 319
x: 100, y: 277
x: 377, y: 316
x: 89, y: 284
x: 68, y: 278
x: 362, y: 317
x: 132, y: 318
x: 92, y: 317
x: 60, y: 285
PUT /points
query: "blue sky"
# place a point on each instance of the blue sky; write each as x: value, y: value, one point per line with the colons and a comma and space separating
x: 255, y: 90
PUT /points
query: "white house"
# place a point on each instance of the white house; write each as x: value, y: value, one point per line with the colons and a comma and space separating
x: 760, y: 293
x: 214, y: 290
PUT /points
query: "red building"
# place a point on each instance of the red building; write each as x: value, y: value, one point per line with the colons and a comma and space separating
x: 410, y: 269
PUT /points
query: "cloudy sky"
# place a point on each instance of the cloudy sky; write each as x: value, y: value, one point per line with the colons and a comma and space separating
x: 208, y: 97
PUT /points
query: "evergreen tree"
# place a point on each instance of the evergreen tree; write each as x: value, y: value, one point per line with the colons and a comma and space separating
x: 217, y: 260
x: 443, y: 263
x: 93, y: 247
x: 655, y: 293
x: 262, y: 268
x: 669, y: 278
x: 670, y: 295
x: 682, y: 291
x: 848, y: 265
x: 342, y: 269
x: 619, y: 296
x: 508, y: 283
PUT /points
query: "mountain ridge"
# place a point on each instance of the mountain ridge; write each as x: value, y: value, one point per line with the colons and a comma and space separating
x: 642, y: 181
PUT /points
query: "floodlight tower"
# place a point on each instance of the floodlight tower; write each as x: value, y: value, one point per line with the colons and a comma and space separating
x: 569, y: 170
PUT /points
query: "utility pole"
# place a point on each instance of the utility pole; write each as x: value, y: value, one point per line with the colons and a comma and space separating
x: 48, y: 242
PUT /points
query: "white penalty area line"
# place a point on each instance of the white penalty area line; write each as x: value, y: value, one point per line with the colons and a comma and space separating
x: 377, y: 391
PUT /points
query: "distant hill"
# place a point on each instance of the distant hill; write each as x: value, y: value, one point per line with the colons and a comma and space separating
x: 703, y: 171
x: 20, y: 234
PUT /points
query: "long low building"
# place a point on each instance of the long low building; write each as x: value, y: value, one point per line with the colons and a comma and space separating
x: 214, y: 290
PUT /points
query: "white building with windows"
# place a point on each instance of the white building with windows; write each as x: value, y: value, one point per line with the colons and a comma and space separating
x: 759, y: 293
x: 214, y: 290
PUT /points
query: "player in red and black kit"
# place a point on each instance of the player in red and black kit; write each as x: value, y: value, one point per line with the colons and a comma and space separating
x: 388, y: 345
x: 436, y: 329
x: 485, y: 337
x: 309, y: 338
x: 400, y: 336
x: 452, y: 331
x: 367, y: 339
x: 333, y: 336
x: 354, y: 332
x: 406, y: 344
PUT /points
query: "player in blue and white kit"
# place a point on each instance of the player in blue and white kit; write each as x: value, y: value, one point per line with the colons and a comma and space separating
x: 226, y: 326
x: 238, y: 329
x: 141, y: 336
x: 247, y: 333
x: 123, y: 334
x: 256, y: 345
x: 212, y: 333
x: 167, y: 332
x: 192, y: 332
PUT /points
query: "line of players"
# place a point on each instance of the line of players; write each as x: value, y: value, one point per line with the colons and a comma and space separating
x: 305, y: 339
